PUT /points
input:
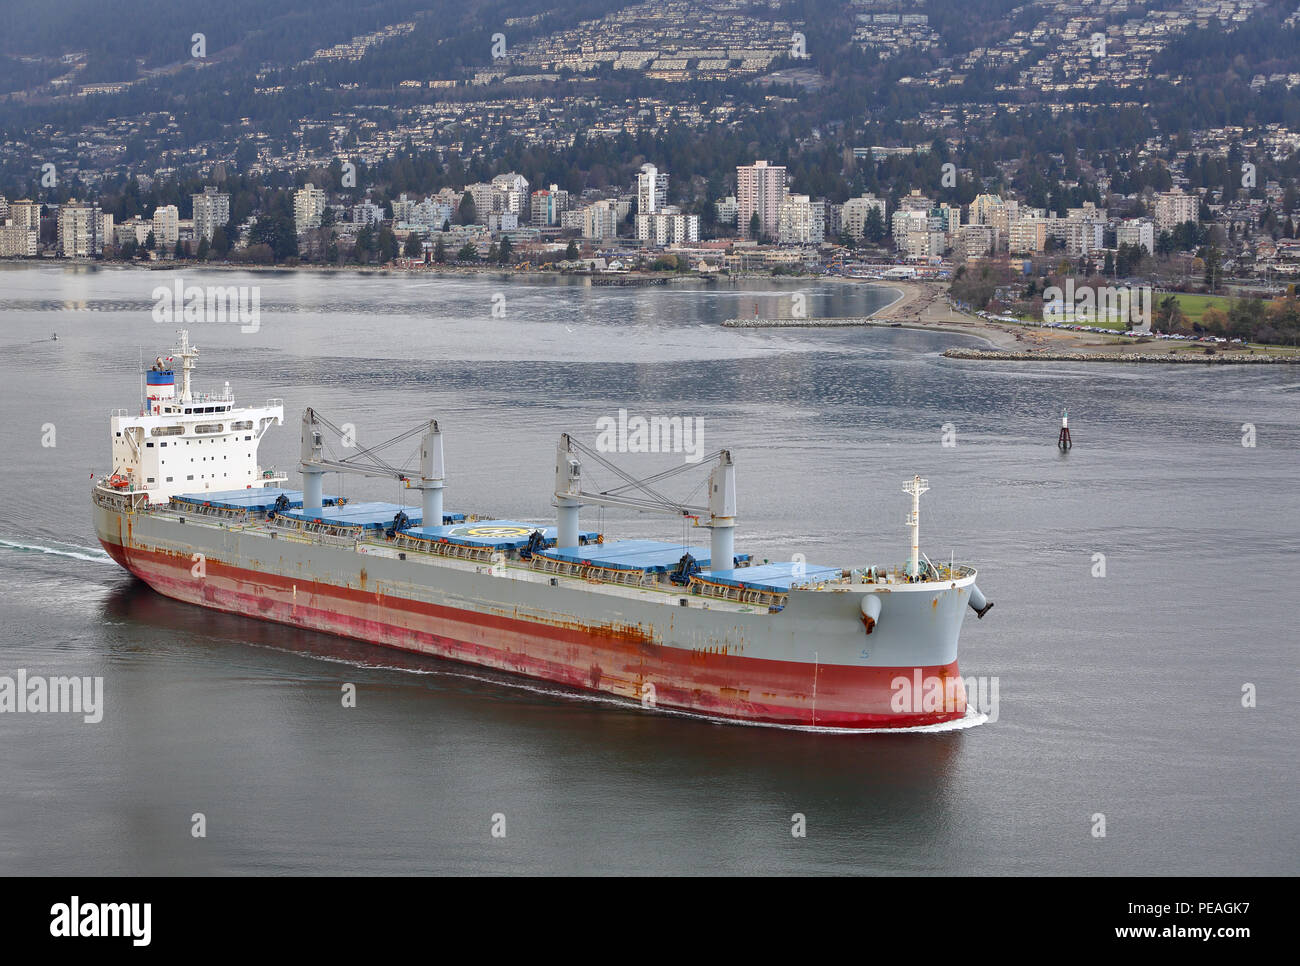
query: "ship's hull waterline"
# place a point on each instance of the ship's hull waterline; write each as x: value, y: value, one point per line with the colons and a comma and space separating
x: 812, y: 665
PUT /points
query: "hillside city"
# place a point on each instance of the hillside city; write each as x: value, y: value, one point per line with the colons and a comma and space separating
x: 706, y: 138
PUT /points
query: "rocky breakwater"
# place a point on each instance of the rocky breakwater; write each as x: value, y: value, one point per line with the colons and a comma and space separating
x: 804, y: 323
x: 1218, y: 358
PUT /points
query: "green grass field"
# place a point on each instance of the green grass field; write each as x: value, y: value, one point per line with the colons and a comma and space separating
x: 1194, y: 306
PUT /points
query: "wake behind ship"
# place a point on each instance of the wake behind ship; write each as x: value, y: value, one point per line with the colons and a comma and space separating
x: 188, y: 509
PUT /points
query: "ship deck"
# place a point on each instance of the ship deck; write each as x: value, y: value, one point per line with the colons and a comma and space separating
x: 758, y: 589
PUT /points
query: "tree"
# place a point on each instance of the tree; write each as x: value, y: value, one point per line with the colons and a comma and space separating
x: 179, y: 251
x: 874, y: 228
x: 467, y: 253
x: 1212, y: 260
x: 1129, y: 259
x: 466, y: 214
x: 276, y: 230
x: 150, y: 241
x: 1170, y: 317
x: 413, y: 249
x: 220, y: 242
x: 439, y: 250
x: 571, y: 252
x: 1214, y: 321
x: 503, y: 256
x: 386, y: 245
x: 755, y: 226
x: 204, y: 249
x: 365, y: 241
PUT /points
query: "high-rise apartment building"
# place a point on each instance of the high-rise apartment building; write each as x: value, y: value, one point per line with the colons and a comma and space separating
x: 760, y: 188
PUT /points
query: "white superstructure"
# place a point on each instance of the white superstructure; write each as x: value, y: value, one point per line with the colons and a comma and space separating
x: 189, y: 442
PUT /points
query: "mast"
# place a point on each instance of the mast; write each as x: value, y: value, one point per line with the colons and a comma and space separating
x: 722, y: 514
x: 432, y: 476
x: 313, y: 474
x: 568, y: 485
x: 915, y: 486
x: 187, y: 354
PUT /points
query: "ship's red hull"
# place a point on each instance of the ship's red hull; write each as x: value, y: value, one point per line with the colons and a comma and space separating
x: 604, y: 659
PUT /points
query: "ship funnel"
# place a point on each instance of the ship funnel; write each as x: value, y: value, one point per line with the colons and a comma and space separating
x: 568, y: 485
x: 722, y: 513
x: 432, y: 476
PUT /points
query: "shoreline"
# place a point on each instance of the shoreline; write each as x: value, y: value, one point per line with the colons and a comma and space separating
x: 925, y: 307
x: 1146, y: 358
x: 920, y: 304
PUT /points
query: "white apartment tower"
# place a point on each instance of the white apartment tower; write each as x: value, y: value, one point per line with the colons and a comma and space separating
x: 308, y: 206
x: 760, y: 187
x: 1136, y: 231
x: 1175, y: 207
x: 166, y: 226
x: 513, y: 190
x: 211, y: 211
x: 651, y: 190
x: 81, y: 230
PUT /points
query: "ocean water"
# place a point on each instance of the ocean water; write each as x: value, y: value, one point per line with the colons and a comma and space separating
x: 1119, y: 695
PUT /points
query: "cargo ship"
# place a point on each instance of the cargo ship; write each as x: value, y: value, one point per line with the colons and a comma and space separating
x: 679, y: 627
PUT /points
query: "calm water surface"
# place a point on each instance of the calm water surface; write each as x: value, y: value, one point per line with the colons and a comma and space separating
x: 1118, y: 694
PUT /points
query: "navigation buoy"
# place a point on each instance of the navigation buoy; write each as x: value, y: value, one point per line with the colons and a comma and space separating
x: 1063, y: 441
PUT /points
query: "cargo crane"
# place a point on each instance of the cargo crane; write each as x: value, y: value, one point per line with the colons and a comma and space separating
x: 721, y: 511
x: 367, y: 462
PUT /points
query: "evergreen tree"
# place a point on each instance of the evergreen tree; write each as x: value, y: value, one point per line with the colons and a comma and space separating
x: 466, y: 214
x: 874, y: 228
x: 386, y: 245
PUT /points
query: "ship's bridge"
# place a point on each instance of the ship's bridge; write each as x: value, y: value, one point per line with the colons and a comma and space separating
x: 184, y: 441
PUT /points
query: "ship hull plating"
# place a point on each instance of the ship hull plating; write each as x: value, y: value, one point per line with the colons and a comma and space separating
x: 812, y: 665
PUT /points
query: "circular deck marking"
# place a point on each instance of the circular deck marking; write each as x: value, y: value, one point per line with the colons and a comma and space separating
x: 492, y: 532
